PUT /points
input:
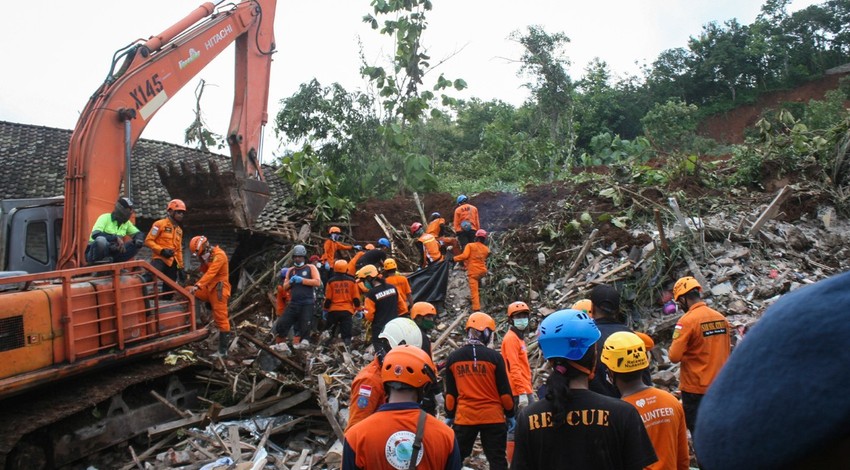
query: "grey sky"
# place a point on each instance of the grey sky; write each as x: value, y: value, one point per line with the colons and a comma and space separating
x: 56, y: 53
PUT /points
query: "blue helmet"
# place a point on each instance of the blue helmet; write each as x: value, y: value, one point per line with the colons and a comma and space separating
x: 567, y: 334
x: 461, y: 199
x: 384, y: 242
x: 283, y: 273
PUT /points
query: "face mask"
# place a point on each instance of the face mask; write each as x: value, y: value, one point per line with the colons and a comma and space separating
x: 428, y: 324
x: 368, y: 285
x: 334, y: 237
x: 205, y: 256
x: 521, y: 323
x: 319, y: 265
x: 299, y: 263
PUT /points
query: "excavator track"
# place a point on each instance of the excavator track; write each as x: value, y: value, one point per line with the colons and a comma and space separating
x: 34, y: 427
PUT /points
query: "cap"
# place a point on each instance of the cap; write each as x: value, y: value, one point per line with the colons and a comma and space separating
x: 605, y: 297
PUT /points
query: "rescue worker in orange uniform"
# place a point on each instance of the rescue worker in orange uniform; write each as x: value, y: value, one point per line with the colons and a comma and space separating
x: 584, y: 305
x: 478, y: 393
x: 465, y: 221
x: 400, y: 435
x: 475, y: 254
x: 516, y: 361
x: 301, y: 280
x: 377, y: 254
x: 282, y: 294
x: 367, y: 391
x: 213, y: 286
x: 701, y: 342
x: 626, y: 356
x: 352, y: 264
x: 427, y: 245
x: 332, y: 246
x: 342, y: 298
x: 165, y: 241
x: 400, y: 282
x: 381, y: 303
x: 424, y: 314
x: 437, y: 228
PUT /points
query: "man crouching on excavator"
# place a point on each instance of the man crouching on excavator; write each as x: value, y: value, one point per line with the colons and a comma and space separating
x: 106, y: 244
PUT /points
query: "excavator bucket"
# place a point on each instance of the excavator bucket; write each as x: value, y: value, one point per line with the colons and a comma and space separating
x: 215, y: 197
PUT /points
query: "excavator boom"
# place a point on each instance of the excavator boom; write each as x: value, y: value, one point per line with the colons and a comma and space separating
x: 150, y: 74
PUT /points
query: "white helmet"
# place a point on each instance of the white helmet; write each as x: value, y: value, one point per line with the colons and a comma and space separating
x: 402, y: 331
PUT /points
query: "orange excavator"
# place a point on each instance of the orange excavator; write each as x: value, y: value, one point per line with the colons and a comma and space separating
x: 75, y: 319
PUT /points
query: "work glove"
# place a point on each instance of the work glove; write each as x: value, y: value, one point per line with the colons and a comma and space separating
x: 296, y: 279
x: 360, y: 314
x: 327, y: 266
x: 522, y: 401
x: 511, y: 422
x: 139, y: 242
x: 120, y: 248
x: 358, y: 247
x: 181, y: 275
x: 450, y: 422
x: 167, y: 253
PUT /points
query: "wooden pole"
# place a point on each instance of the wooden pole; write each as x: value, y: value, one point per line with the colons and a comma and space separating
x: 581, y: 254
x: 419, y: 207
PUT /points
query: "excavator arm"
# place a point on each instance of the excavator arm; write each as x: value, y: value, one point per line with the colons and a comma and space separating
x: 150, y: 73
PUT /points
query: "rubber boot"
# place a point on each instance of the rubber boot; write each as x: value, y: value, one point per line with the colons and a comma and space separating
x: 223, y: 343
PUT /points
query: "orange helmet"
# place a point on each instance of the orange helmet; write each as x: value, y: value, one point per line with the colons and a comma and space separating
x: 369, y: 246
x: 583, y: 305
x: 421, y: 309
x: 415, y: 226
x: 176, y: 205
x: 409, y: 365
x: 334, y: 230
x: 517, y: 307
x: 340, y: 266
x: 480, y: 321
x: 685, y: 285
x: 389, y: 264
x: 198, y: 245
x: 481, y: 233
x: 647, y: 340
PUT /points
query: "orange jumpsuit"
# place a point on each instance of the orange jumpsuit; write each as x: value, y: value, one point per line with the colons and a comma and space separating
x: 516, y: 360
x: 701, y: 343
x: 330, y: 249
x: 352, y: 265
x: 402, y: 285
x: 466, y: 212
x: 475, y: 254
x: 367, y: 393
x: 214, y: 287
x: 166, y: 234
x: 437, y: 228
x: 430, y: 249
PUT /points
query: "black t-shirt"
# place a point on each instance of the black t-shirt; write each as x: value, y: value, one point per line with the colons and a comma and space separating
x: 385, y: 298
x: 374, y: 257
x: 600, y: 433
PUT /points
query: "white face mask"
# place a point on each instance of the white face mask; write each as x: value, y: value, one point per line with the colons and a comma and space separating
x: 521, y: 323
x: 299, y: 263
x: 205, y: 256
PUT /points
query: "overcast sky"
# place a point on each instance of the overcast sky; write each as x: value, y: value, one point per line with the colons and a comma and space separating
x: 55, y: 53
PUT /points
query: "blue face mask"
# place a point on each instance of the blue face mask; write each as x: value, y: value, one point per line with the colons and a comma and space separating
x: 521, y: 323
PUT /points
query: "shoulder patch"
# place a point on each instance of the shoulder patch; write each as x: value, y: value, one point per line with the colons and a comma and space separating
x: 365, y: 390
x: 362, y: 402
x: 155, y: 230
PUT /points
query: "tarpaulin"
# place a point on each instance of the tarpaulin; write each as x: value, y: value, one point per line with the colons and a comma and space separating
x: 430, y: 284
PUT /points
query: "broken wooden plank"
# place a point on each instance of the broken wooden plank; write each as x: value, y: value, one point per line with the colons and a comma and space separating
x: 235, y: 443
x: 151, y: 450
x: 420, y: 208
x: 581, y: 254
x: 448, y: 331
x: 271, y: 351
x: 665, y: 248
x: 178, y: 411
x: 326, y: 408
x: 674, y: 204
x: 287, y: 403
x: 286, y: 427
x: 771, y: 210
x: 229, y: 412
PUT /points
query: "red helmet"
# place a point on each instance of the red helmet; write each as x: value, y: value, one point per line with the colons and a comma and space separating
x: 415, y: 226
x: 481, y: 233
x: 176, y: 205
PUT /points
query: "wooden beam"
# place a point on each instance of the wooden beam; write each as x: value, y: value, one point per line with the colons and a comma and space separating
x: 581, y: 254
x: 419, y: 207
x: 326, y: 408
x: 287, y: 403
x: 771, y: 210
x: 271, y: 351
x: 229, y: 412
x: 448, y: 332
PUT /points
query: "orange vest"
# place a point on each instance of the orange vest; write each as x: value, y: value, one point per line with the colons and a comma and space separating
x: 430, y: 249
x: 701, y: 343
x: 516, y: 361
x: 466, y: 212
x: 475, y: 254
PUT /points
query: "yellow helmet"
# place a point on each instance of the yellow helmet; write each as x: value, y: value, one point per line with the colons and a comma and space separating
x: 685, y: 285
x: 390, y: 263
x: 368, y: 271
x: 584, y: 305
x: 625, y: 352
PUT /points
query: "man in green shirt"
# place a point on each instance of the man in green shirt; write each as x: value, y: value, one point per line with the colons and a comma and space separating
x: 106, y: 244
